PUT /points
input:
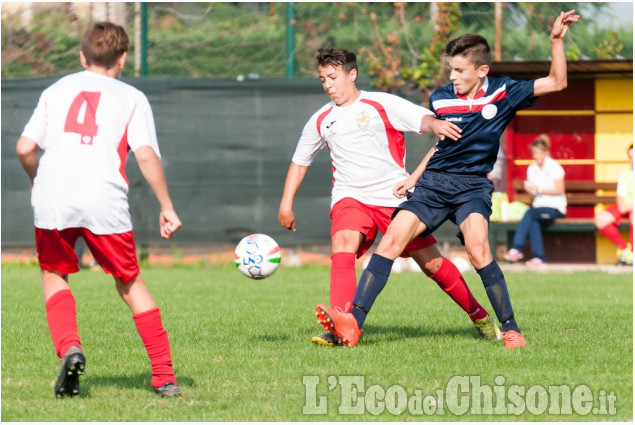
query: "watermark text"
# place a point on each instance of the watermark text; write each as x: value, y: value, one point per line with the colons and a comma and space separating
x: 462, y: 394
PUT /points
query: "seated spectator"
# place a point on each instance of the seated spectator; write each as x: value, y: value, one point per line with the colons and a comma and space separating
x: 545, y: 183
x: 608, y: 220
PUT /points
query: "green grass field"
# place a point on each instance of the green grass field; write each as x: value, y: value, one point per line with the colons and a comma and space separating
x: 242, y: 351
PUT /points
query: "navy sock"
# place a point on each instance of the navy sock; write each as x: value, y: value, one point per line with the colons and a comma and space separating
x: 496, y: 288
x: 371, y: 283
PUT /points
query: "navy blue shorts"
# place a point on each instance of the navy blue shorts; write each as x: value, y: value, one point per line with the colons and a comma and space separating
x: 438, y: 197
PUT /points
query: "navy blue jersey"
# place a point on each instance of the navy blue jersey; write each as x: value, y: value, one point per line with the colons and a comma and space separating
x: 482, y: 119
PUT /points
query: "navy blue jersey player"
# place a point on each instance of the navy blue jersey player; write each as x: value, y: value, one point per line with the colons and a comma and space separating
x: 454, y: 185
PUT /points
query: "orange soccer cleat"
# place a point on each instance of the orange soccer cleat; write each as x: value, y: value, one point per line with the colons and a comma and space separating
x: 514, y: 339
x: 340, y: 323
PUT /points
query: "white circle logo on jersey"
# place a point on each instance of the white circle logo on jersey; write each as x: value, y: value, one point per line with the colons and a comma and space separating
x: 362, y: 120
x: 489, y: 111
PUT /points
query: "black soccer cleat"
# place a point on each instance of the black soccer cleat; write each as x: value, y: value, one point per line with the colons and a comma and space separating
x: 168, y: 390
x: 328, y: 339
x: 72, y: 365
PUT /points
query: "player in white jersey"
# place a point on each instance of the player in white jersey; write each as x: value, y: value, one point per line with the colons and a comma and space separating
x: 366, y: 143
x: 364, y: 133
x: 84, y: 125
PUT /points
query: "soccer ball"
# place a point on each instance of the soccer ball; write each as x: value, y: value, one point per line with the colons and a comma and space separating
x: 462, y: 264
x: 257, y: 256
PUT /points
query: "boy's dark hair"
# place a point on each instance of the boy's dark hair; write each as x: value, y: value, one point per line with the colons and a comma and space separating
x: 103, y: 43
x: 472, y: 46
x: 337, y: 57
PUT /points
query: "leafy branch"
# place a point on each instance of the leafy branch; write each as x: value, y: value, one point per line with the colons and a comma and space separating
x: 426, y: 72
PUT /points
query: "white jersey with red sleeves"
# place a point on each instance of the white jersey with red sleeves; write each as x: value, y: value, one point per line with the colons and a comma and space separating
x: 85, y: 124
x: 366, y: 143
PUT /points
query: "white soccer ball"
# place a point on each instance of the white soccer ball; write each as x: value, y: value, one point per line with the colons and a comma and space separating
x: 462, y: 264
x: 257, y: 256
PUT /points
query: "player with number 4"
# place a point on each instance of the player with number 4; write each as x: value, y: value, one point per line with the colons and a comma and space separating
x: 84, y: 125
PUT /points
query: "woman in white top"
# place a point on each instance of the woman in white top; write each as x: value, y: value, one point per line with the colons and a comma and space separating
x: 545, y: 182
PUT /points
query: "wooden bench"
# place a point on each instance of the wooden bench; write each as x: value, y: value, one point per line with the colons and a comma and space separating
x: 579, y: 193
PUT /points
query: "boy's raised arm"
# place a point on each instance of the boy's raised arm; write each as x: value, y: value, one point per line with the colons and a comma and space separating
x: 557, y: 78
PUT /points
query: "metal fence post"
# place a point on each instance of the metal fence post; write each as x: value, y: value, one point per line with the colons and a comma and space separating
x: 144, y: 38
x: 291, y: 40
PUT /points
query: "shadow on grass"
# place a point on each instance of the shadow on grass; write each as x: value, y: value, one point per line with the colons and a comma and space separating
x: 271, y: 337
x: 387, y: 333
x: 140, y: 380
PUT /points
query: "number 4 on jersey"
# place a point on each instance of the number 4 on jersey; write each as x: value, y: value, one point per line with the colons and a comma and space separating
x: 86, y: 102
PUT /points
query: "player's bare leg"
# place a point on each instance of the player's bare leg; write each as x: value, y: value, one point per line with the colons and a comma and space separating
x: 136, y: 295
x: 475, y: 232
x: 147, y: 319
x: 62, y: 321
x: 402, y: 230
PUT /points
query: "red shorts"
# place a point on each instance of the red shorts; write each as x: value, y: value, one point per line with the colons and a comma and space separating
x: 615, y: 212
x: 349, y: 214
x: 116, y: 254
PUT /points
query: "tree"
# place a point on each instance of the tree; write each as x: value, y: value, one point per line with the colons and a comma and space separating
x: 395, y: 62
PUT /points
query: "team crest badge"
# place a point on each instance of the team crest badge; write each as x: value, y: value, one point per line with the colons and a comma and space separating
x: 489, y: 111
x: 362, y: 120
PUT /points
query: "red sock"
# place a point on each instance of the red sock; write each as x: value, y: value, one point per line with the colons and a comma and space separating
x: 450, y: 280
x: 62, y: 320
x: 155, y: 339
x: 612, y: 233
x: 343, y: 279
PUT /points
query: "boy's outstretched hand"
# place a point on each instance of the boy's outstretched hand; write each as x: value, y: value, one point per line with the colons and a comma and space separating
x: 443, y: 129
x: 561, y: 24
x: 401, y: 189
